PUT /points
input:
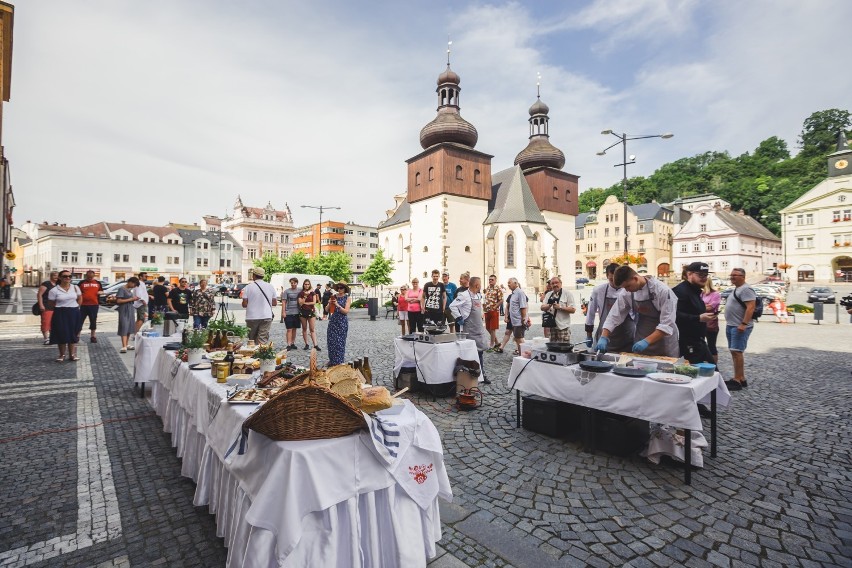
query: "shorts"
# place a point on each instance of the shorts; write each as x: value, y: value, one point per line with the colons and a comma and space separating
x: 90, y: 312
x: 518, y: 331
x: 403, y: 315
x: 142, y: 312
x: 259, y: 330
x: 436, y: 316
x: 492, y: 320
x: 737, y: 340
x: 292, y: 321
x: 451, y: 319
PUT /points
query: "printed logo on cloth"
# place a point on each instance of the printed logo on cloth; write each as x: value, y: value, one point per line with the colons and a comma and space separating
x: 420, y: 472
x: 584, y: 377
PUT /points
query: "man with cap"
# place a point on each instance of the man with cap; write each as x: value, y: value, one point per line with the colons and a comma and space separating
x: 290, y: 312
x: 692, y: 315
x: 259, y: 300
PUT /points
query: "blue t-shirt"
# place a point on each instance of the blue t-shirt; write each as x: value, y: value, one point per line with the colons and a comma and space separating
x: 450, y: 288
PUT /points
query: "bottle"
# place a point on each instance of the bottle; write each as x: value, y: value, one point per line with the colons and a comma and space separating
x: 210, y: 337
x: 229, y: 359
x: 357, y: 365
x: 367, y: 371
x: 184, y: 337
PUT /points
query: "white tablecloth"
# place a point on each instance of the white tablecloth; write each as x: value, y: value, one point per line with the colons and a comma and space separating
x: 316, y: 502
x: 643, y: 398
x: 147, y: 349
x: 434, y: 361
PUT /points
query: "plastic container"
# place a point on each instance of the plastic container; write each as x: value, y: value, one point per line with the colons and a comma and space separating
x: 706, y: 369
x: 526, y: 350
x: 645, y: 366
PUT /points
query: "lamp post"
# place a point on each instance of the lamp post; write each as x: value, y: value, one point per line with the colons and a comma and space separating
x: 321, y: 209
x: 622, y: 139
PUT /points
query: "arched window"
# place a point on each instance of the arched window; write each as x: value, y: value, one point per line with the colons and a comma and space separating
x: 466, y: 249
x: 555, y: 192
x: 476, y: 176
x: 510, y: 250
x: 431, y: 174
x: 425, y: 249
x: 387, y: 244
x: 458, y: 172
x: 417, y: 178
x: 399, y: 247
x: 567, y: 195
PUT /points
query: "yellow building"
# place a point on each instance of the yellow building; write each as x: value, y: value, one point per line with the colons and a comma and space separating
x: 600, y: 238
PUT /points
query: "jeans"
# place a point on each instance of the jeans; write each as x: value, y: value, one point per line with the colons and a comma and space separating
x: 199, y: 322
x: 737, y: 340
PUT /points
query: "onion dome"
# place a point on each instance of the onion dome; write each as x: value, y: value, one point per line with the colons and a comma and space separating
x: 448, y: 126
x: 540, y: 153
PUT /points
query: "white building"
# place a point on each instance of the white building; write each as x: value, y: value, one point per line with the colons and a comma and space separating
x: 456, y: 216
x: 725, y: 240
x: 258, y: 231
x: 360, y: 242
x: 211, y: 255
x: 817, y: 227
x: 114, y: 251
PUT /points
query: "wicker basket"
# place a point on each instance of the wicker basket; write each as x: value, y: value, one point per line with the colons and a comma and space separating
x: 305, y: 412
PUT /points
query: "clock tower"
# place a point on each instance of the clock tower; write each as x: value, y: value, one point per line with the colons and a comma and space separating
x: 840, y: 162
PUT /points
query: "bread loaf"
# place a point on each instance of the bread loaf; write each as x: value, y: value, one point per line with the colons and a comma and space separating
x: 374, y: 399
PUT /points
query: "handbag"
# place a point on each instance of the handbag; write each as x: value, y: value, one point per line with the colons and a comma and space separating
x: 548, y: 319
x: 36, y: 310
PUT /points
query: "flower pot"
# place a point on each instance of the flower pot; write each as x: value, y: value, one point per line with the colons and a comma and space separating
x: 195, y: 356
x: 267, y: 365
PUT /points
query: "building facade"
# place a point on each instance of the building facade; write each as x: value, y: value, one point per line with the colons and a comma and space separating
x: 600, y: 238
x: 7, y: 197
x: 725, y: 240
x: 259, y: 230
x: 457, y: 216
x: 211, y: 255
x: 817, y: 227
x: 316, y: 239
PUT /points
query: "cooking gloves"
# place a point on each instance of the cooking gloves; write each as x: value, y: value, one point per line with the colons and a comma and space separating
x: 602, y: 343
x: 640, y: 346
x: 588, y: 342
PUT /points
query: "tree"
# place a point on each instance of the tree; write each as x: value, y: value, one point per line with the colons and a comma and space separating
x: 270, y: 263
x: 335, y: 264
x: 773, y: 149
x: 297, y: 263
x: 820, y: 129
x: 378, y: 273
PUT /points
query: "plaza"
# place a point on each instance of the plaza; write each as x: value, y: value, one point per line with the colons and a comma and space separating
x: 90, y: 479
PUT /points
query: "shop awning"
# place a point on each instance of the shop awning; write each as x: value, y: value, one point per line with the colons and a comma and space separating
x: 591, y: 264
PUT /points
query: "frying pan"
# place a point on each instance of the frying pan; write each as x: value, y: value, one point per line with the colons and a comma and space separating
x: 561, y: 346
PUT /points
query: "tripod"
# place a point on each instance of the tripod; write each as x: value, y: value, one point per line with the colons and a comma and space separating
x: 222, y: 310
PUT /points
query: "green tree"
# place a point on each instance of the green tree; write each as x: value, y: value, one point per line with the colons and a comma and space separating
x: 378, y: 273
x: 270, y: 263
x: 773, y: 149
x: 335, y: 264
x: 820, y: 129
x: 297, y: 263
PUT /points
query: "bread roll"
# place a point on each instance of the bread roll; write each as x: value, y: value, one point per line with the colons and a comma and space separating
x: 374, y: 399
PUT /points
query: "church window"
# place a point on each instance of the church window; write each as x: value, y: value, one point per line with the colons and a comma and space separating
x: 431, y: 174
x: 466, y: 249
x: 510, y: 250
x: 476, y: 176
x: 458, y: 172
x: 425, y: 249
x: 417, y: 178
x: 555, y: 192
x: 399, y: 247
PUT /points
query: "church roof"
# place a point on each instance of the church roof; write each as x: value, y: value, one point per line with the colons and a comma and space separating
x: 401, y: 215
x: 512, y: 200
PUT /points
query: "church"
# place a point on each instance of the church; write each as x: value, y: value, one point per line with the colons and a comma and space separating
x: 457, y: 215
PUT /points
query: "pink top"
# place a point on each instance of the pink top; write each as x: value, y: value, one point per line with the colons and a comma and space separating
x: 413, y: 297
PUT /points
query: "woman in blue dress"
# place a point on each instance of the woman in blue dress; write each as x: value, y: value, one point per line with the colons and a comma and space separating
x: 338, y: 325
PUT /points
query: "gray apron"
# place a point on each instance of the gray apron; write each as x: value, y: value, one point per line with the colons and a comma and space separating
x: 621, y: 338
x: 474, y: 325
x: 647, y: 320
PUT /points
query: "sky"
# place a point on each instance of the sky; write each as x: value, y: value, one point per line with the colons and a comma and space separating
x: 167, y: 113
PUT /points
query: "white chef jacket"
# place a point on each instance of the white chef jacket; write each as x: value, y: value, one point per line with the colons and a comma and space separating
x: 461, y: 305
x: 661, y: 297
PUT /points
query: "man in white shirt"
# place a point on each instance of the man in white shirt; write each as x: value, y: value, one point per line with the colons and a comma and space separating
x: 655, y: 309
x: 601, y: 302
x: 259, y: 300
x: 141, y: 304
x: 559, y: 305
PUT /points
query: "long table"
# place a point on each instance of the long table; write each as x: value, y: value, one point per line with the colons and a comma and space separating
x: 643, y: 398
x: 434, y: 362
x: 329, y: 502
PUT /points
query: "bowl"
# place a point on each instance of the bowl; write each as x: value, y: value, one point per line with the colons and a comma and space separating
x: 706, y: 369
x: 648, y: 366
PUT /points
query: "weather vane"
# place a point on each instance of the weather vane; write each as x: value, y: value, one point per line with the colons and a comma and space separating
x: 449, y: 43
x: 538, y: 85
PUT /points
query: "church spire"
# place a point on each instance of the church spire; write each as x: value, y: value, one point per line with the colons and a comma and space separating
x: 448, y: 126
x: 540, y: 152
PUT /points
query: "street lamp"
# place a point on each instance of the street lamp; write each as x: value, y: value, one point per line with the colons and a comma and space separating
x: 622, y: 139
x: 321, y: 209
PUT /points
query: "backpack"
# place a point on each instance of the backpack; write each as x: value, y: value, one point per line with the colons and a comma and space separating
x: 758, y: 306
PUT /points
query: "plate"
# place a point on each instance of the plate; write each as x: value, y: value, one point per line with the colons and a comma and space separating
x: 670, y: 378
x: 200, y: 366
x: 216, y: 355
x: 629, y: 372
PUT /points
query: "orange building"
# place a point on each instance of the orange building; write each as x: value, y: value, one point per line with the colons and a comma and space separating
x: 315, y: 239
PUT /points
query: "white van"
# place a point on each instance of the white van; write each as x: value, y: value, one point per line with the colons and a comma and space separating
x: 281, y: 281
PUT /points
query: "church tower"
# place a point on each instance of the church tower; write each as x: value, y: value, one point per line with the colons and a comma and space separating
x: 449, y: 188
x: 840, y: 162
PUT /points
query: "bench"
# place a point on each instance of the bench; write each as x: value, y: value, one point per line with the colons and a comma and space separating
x: 390, y: 310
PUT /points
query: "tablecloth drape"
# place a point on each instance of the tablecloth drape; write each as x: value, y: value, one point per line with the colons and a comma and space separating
x: 435, y: 362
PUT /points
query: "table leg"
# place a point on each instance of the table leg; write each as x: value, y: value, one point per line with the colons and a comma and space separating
x: 518, y: 407
x: 687, y: 456
x: 141, y: 390
x: 589, y: 430
x: 713, y: 424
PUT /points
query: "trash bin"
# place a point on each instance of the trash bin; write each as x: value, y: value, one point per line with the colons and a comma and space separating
x: 818, y: 312
x: 372, y: 308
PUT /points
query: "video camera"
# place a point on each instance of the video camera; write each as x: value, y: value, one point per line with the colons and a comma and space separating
x: 846, y: 301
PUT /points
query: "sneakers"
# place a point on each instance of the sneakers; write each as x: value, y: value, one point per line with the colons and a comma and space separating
x: 46, y: 342
x: 486, y: 381
x: 94, y: 339
x: 291, y: 347
x: 735, y: 385
x: 317, y: 347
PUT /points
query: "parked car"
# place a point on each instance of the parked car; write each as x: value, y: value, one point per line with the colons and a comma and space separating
x: 818, y: 294
x: 109, y: 291
x: 582, y: 280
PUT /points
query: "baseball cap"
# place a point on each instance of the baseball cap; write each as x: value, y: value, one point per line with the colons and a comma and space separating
x: 698, y: 267
x: 258, y: 271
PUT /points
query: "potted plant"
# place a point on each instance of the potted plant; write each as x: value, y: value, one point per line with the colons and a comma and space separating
x: 194, y: 343
x: 266, y: 354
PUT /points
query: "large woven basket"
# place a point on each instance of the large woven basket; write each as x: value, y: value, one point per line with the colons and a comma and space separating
x: 305, y: 412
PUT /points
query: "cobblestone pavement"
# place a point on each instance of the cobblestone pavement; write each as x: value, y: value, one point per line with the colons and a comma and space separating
x: 778, y: 494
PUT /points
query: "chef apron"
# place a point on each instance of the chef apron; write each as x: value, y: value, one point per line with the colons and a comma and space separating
x: 647, y: 320
x: 474, y: 326
x: 621, y: 338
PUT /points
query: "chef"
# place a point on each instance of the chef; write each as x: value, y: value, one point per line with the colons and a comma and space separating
x: 655, y: 309
x: 601, y: 302
x: 467, y: 306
